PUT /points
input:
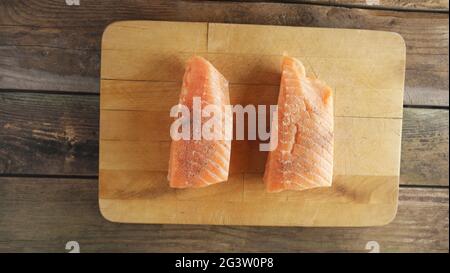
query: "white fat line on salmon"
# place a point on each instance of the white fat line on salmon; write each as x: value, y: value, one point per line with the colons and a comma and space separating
x: 192, y: 263
x: 215, y: 122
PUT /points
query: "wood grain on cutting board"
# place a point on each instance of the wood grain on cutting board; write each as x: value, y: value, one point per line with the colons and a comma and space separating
x: 141, y: 73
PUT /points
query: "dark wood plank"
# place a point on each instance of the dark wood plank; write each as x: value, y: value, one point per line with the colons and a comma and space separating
x: 40, y: 58
x: 57, y: 134
x: 395, y: 4
x: 425, y: 146
x: 62, y: 53
x: 85, y: 38
x: 41, y: 215
x: 48, y: 134
x: 37, y: 68
x: 428, y: 5
x: 428, y: 88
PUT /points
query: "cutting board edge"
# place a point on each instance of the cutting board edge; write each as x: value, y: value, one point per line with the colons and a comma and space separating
x: 377, y: 223
x: 118, y: 23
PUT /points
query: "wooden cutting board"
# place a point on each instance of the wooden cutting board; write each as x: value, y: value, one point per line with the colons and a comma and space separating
x: 141, y: 71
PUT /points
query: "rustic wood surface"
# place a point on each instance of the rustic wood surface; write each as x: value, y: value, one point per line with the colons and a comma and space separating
x: 48, y: 134
x: 420, y: 226
x: 49, y: 74
x: 425, y: 147
x: 434, y: 5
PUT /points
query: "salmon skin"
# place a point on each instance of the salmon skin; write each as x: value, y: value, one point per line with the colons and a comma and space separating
x: 197, y: 162
x: 303, y: 158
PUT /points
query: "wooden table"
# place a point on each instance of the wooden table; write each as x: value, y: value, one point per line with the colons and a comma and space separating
x: 49, y: 84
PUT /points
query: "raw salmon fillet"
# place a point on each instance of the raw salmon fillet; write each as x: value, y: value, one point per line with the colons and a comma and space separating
x: 303, y: 158
x: 199, y: 163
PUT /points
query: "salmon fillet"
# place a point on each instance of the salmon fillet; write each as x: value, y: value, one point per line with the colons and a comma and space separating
x: 303, y: 158
x: 198, y: 163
